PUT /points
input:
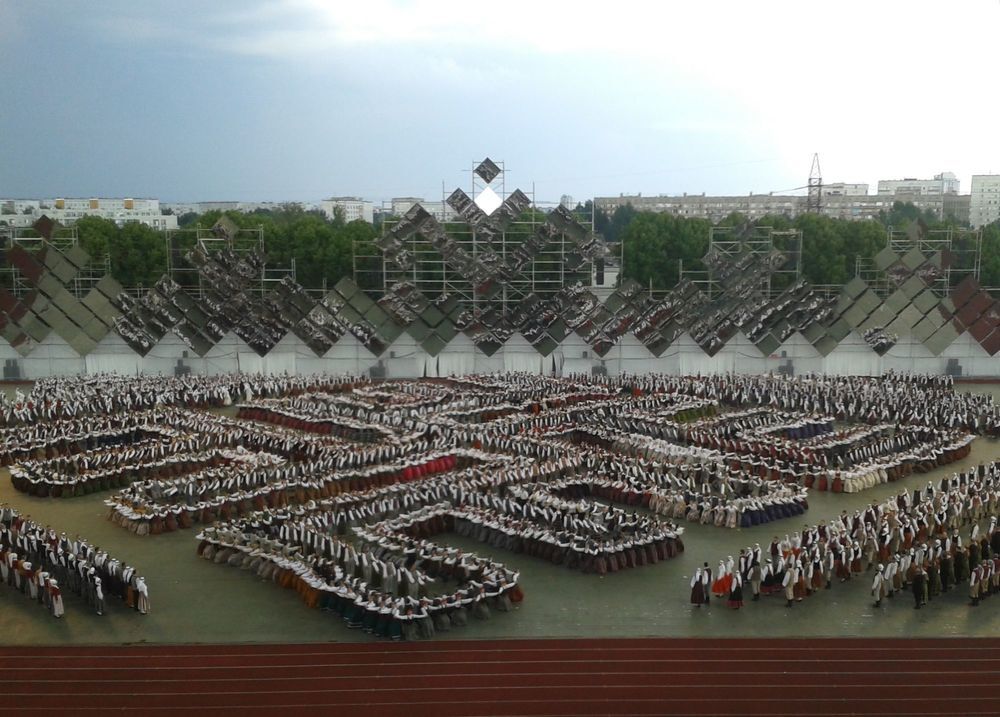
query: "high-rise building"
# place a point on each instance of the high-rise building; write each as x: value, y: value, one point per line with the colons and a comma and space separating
x: 944, y: 183
x: 984, y: 205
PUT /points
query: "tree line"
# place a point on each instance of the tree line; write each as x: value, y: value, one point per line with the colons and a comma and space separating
x: 656, y: 247
x: 321, y: 249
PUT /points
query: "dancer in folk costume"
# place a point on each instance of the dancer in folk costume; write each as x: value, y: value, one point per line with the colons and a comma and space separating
x: 736, y: 592
x: 770, y: 578
x: 723, y: 581
x: 878, y: 585
x: 756, y: 572
x: 56, y: 601
x: 698, y: 596
x: 788, y: 582
x: 142, y: 602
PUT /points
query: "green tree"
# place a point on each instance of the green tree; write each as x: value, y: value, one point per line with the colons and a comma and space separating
x: 96, y: 235
x: 657, y: 245
x: 903, y: 214
x: 831, y: 247
x: 778, y: 222
x: 620, y: 219
x: 990, y: 270
x: 734, y: 219
x: 823, y: 260
x: 138, y: 255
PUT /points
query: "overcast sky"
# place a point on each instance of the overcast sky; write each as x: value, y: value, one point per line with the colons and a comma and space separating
x: 302, y: 99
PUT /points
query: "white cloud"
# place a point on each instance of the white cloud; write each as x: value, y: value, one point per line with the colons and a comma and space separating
x: 891, y: 87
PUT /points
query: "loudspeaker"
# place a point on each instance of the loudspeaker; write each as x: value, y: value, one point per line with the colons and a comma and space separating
x: 377, y: 371
x: 12, y: 370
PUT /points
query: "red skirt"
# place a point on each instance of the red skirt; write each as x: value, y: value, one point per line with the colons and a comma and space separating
x: 817, y: 580
x: 722, y: 585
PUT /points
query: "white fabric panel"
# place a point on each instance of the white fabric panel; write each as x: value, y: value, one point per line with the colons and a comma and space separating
x: 488, y: 364
x: 692, y: 360
x: 577, y: 366
x: 629, y: 347
x: 403, y: 367
x: 854, y: 363
x: 126, y: 364
x: 523, y: 362
x: 910, y: 355
x: 279, y: 362
x: 45, y: 366
x: 249, y: 362
x: 632, y: 366
x: 54, y: 357
x: 213, y: 366
x: 456, y: 364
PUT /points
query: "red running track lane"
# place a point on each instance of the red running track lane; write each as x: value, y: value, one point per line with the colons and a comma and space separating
x: 516, y: 677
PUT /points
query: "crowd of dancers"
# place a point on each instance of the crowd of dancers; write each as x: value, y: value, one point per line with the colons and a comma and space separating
x: 591, y: 473
x: 911, y: 541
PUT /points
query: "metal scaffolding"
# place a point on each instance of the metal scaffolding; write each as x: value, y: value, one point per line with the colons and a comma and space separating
x: 63, y: 239
x: 431, y: 275
x: 956, y: 251
x: 731, y: 243
x: 242, y: 241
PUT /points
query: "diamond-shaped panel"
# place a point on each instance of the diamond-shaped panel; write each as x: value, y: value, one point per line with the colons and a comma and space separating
x: 487, y: 170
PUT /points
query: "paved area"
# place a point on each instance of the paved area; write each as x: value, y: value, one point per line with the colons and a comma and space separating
x: 195, y: 601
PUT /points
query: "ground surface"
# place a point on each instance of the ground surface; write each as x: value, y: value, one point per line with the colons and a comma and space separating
x: 195, y: 601
x: 777, y: 678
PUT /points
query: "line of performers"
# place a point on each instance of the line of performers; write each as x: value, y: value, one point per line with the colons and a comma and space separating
x: 41, y: 564
x: 919, y: 399
x: 256, y: 481
x: 924, y: 450
x: 65, y: 397
x: 906, y: 538
x: 574, y: 547
x: 389, y: 585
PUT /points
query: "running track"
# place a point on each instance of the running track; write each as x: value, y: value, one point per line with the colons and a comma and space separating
x: 516, y: 677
